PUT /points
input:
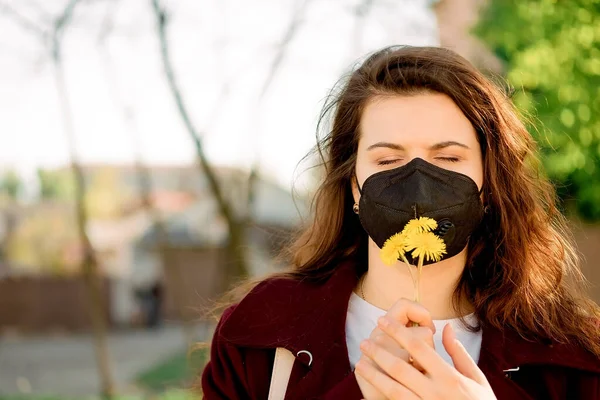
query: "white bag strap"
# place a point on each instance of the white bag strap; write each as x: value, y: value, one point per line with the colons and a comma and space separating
x: 282, y: 369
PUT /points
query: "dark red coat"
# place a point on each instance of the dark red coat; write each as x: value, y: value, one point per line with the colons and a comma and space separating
x: 308, y: 316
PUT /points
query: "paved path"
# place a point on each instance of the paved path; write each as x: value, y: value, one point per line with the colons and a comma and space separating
x: 66, y: 366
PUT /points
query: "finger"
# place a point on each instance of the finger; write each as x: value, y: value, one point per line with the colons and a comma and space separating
x: 417, y: 348
x: 368, y: 360
x: 398, y: 369
x: 385, y: 341
x: 389, y: 344
x: 461, y: 358
x: 391, y: 389
x: 405, y: 311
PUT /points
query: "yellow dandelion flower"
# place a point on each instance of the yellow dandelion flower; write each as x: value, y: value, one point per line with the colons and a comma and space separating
x: 393, y: 249
x: 426, y: 245
x: 421, y: 224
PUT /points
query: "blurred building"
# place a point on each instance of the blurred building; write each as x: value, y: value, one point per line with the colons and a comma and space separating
x: 131, y: 253
x: 195, y: 243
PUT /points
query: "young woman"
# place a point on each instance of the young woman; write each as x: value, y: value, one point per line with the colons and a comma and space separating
x: 419, y: 132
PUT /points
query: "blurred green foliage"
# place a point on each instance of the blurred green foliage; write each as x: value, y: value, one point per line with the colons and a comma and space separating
x: 45, y: 237
x: 551, y: 49
x: 10, y: 184
x: 46, y: 240
x: 105, y: 194
x: 56, y: 185
x: 173, y: 378
x: 179, y: 370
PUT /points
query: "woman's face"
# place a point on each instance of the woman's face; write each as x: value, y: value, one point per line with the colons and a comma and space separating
x: 394, y: 130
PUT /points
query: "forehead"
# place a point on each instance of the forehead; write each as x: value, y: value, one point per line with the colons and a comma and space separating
x: 426, y: 119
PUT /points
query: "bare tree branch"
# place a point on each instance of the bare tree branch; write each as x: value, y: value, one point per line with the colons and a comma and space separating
x: 289, y: 35
x: 89, y: 262
x: 23, y: 22
x: 59, y: 27
x: 236, y: 229
x: 107, y: 25
x: 89, y: 265
x: 274, y: 68
x: 41, y: 11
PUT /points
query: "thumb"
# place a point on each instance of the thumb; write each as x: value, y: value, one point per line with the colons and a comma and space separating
x: 461, y: 358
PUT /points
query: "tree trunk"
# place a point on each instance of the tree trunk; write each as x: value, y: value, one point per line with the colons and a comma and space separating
x: 237, y: 267
x: 10, y: 221
x: 89, y: 264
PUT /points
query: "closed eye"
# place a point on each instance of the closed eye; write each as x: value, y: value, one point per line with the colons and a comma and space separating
x: 445, y: 159
x: 449, y: 159
x: 386, y: 162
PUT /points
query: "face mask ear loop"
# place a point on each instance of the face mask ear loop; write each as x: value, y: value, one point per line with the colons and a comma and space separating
x: 486, y: 208
x: 357, y: 185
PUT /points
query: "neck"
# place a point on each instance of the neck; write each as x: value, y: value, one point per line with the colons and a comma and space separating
x: 383, y: 285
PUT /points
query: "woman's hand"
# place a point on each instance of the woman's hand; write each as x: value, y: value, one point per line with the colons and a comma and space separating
x: 400, y: 380
x: 403, y: 312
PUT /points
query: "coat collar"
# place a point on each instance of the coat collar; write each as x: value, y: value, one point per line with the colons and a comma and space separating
x: 297, y: 315
x: 302, y: 315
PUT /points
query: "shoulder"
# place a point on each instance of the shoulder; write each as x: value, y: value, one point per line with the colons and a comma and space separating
x: 543, y: 368
x: 259, y: 302
x: 277, y: 309
x: 271, y: 306
x: 236, y: 371
x: 583, y: 380
x: 514, y: 350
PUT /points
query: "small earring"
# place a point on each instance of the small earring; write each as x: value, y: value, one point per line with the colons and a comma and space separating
x: 355, y: 208
x: 486, y: 209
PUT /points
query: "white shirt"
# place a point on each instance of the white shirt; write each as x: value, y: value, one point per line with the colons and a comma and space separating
x: 362, y: 319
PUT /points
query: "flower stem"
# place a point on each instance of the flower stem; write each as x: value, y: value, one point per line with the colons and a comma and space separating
x: 419, y: 271
x: 416, y: 281
x: 418, y: 284
x: 410, y: 271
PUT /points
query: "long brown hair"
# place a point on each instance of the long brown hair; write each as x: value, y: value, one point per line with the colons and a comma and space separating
x: 522, y: 270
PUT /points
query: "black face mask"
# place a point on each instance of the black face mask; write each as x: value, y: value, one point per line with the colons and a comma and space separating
x: 389, y: 199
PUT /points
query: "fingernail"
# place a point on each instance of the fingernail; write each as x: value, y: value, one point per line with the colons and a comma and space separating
x: 383, y: 322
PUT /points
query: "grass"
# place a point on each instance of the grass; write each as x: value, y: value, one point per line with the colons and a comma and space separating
x: 167, y: 380
x: 178, y: 371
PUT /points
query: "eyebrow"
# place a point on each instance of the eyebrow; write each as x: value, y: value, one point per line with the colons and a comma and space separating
x: 437, y: 146
x: 385, y: 145
x: 443, y: 145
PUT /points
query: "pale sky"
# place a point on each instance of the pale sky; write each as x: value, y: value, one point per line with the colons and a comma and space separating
x: 217, y: 46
